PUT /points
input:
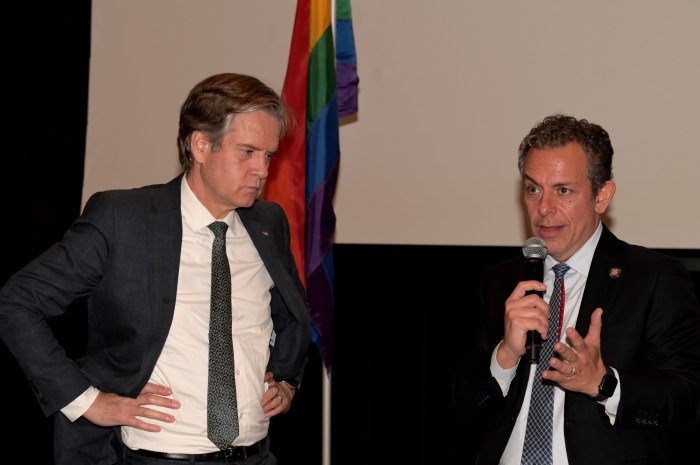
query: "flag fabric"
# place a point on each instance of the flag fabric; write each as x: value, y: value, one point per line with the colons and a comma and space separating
x: 303, y: 176
x: 346, y: 60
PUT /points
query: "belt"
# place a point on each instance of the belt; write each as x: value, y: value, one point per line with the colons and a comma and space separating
x: 229, y: 455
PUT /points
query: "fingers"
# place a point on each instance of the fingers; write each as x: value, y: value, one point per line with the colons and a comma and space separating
x: 579, y: 365
x: 153, y: 399
x: 562, y: 367
x: 110, y: 409
x: 523, y: 313
x: 593, y: 336
x: 144, y: 403
x: 158, y: 389
x: 277, y: 399
x: 524, y: 286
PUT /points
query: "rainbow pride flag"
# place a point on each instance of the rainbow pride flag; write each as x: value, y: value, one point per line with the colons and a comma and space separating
x: 304, y: 172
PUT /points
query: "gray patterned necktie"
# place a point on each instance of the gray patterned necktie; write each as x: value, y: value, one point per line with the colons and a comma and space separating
x: 222, y: 413
x: 537, y: 449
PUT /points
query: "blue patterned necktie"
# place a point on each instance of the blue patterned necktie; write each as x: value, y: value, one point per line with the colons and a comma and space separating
x: 222, y: 410
x: 537, y: 449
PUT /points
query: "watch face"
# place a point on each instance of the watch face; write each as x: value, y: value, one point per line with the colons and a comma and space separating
x: 608, y: 385
x: 292, y: 382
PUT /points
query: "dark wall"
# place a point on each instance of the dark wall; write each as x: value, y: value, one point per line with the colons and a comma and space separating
x: 43, y: 179
x: 402, y: 322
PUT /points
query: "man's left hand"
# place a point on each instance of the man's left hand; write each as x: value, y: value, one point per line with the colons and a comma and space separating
x: 579, y: 367
x: 278, y: 397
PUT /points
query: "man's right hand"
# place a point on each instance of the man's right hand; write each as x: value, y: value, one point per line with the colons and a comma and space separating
x: 110, y: 409
x: 523, y: 313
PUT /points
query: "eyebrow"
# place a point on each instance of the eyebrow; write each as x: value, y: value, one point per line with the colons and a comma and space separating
x: 559, y: 184
x: 528, y: 178
x: 256, y: 148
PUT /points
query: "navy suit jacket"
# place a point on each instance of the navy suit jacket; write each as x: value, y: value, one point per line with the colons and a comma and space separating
x: 650, y: 334
x: 122, y: 255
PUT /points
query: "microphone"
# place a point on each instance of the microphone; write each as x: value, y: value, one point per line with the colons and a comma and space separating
x: 535, y: 251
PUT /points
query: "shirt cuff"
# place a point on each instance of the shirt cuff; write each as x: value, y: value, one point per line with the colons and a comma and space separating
x: 503, y: 376
x: 612, y: 402
x: 79, y: 406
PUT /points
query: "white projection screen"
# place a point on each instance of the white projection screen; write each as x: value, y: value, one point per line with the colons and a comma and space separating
x: 447, y: 91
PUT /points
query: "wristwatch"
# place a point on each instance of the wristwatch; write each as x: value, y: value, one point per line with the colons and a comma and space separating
x: 607, y: 385
x: 292, y: 384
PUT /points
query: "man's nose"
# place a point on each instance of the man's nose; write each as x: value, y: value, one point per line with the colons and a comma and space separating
x: 261, y: 165
x: 547, y: 204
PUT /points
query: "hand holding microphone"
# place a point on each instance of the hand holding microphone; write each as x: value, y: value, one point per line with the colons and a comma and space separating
x: 535, y: 251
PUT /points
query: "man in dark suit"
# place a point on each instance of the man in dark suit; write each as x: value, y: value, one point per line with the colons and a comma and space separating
x: 143, y: 260
x: 625, y: 370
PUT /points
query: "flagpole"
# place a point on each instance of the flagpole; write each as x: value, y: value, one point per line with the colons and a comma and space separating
x: 326, y: 440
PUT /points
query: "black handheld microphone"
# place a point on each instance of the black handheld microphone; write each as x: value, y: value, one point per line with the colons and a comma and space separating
x: 535, y: 251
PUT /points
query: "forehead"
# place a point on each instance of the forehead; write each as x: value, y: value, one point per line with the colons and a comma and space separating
x: 556, y: 164
x: 257, y: 128
x: 258, y: 120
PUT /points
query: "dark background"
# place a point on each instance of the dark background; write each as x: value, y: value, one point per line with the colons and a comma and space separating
x: 402, y: 317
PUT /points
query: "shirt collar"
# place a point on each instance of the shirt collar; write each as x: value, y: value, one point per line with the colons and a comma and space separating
x: 194, y: 214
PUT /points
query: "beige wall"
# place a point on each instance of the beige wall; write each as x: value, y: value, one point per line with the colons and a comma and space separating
x: 447, y: 91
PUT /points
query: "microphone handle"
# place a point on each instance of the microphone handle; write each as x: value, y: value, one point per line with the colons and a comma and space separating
x: 534, y: 270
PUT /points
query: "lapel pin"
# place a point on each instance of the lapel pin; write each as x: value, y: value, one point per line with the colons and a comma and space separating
x: 265, y: 233
x: 615, y: 272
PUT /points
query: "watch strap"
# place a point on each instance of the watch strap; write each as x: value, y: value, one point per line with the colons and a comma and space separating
x: 607, y: 385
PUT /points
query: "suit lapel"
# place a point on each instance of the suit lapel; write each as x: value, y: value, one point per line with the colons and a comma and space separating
x: 264, y: 242
x: 605, y: 278
x: 164, y: 229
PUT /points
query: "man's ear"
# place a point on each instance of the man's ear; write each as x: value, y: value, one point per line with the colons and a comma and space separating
x: 199, y: 145
x: 604, y: 197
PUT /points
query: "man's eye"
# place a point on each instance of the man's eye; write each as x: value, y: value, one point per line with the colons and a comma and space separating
x: 564, y: 190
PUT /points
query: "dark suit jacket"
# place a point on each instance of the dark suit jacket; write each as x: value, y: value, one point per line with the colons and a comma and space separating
x: 122, y: 255
x: 650, y: 334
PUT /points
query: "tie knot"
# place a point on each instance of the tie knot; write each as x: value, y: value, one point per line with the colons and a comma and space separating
x: 560, y: 269
x: 219, y: 228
